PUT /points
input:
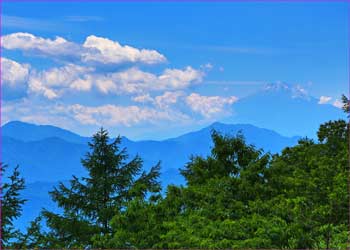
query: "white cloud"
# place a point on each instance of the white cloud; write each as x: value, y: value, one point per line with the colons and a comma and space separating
x: 80, y: 115
x: 77, y: 77
x: 112, y: 115
x: 338, y: 104
x: 163, y: 95
x: 14, y: 79
x: 135, y: 81
x: 106, y: 85
x: 94, y: 49
x: 53, y: 83
x: 324, y: 99
x: 47, y: 47
x: 168, y: 99
x: 143, y: 98
x: 82, y: 84
x: 164, y: 101
x: 180, y: 79
x: 14, y: 73
x: 129, y: 81
x: 106, y: 51
x: 209, y: 106
x: 38, y: 88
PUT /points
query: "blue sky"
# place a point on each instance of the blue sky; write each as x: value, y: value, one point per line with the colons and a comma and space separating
x: 198, y: 60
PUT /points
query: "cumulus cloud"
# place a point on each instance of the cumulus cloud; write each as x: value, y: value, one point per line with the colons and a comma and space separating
x: 14, y: 78
x: 106, y: 51
x: 136, y: 81
x: 164, y: 95
x: 47, y: 47
x: 81, y: 74
x: 206, y: 106
x: 324, y: 99
x: 164, y: 101
x: 82, y: 84
x: 143, y: 98
x: 131, y: 80
x: 94, y: 49
x: 179, y: 79
x: 53, y: 83
x: 168, y: 99
x: 13, y: 73
x: 209, y: 106
x: 112, y: 115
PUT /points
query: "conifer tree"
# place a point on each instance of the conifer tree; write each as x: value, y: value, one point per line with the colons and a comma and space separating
x: 89, y: 203
x: 11, y: 204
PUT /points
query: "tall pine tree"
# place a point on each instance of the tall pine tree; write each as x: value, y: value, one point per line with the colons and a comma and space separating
x: 89, y: 203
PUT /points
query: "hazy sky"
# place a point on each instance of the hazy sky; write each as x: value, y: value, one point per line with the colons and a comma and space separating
x: 143, y: 67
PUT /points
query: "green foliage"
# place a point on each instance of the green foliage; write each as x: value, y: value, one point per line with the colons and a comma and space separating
x: 239, y: 197
x: 346, y: 104
x: 90, y: 203
x: 11, y: 205
x: 139, y: 226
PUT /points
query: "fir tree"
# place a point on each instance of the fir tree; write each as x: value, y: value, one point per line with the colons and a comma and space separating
x: 89, y: 203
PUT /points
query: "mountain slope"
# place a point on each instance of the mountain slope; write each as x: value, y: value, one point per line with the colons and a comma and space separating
x: 50, y: 159
x: 30, y: 132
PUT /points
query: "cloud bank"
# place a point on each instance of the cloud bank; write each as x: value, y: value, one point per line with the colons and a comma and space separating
x: 136, y: 97
x: 93, y: 50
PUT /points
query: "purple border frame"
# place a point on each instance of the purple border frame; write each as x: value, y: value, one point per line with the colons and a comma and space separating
x: 170, y: 1
x: 1, y: 170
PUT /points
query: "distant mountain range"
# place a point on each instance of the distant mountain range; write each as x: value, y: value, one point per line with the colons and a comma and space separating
x: 48, y: 154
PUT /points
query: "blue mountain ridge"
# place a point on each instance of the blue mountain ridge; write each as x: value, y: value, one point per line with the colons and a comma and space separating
x: 48, y: 154
x: 54, y: 154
